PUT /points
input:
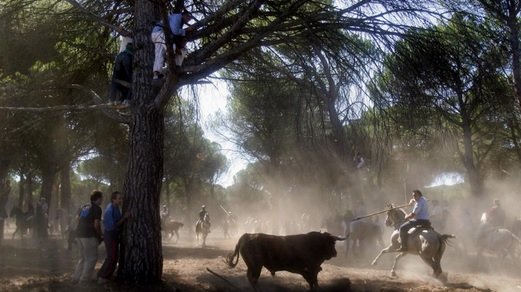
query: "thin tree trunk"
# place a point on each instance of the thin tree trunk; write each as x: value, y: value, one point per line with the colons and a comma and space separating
x: 65, y: 189
x: 516, y: 55
x: 29, y: 181
x: 21, y: 189
x: 473, y: 175
x: 48, y: 177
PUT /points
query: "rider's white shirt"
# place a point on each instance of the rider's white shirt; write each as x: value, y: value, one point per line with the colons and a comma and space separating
x: 420, y: 209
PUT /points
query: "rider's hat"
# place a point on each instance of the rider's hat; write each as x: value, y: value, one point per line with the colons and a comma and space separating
x: 203, y: 206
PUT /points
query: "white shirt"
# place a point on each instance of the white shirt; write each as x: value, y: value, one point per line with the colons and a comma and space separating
x: 420, y: 210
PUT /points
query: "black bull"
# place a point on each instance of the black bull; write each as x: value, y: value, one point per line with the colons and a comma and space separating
x: 301, y: 254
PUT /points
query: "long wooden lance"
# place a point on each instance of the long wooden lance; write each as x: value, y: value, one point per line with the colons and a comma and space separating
x: 225, y: 211
x: 379, y: 212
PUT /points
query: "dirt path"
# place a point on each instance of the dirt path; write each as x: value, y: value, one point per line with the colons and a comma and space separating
x: 25, y: 268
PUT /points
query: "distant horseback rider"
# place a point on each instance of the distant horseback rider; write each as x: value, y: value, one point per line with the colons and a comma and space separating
x: 418, y: 217
x: 202, y: 214
x: 496, y: 215
x: 165, y: 213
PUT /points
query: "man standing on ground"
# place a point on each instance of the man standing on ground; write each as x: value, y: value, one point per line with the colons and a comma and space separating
x: 112, y: 221
x: 88, y: 238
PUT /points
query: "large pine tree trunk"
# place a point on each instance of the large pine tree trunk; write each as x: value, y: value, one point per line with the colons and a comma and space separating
x: 141, y: 258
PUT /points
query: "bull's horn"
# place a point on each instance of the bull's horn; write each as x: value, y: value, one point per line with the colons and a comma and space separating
x: 341, y: 238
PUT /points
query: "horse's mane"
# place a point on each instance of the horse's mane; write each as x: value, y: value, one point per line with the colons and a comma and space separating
x: 391, y: 207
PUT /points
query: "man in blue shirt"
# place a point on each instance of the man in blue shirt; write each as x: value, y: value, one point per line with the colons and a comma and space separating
x: 175, y: 22
x: 112, y: 221
x: 418, y: 216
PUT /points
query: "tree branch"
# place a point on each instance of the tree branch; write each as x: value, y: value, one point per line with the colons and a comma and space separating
x: 100, y: 19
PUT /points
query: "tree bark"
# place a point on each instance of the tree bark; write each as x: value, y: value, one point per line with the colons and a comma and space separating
x: 141, y: 258
x: 48, y: 176
x: 513, y: 25
x: 29, y: 191
x: 65, y: 189
x: 473, y: 174
x: 21, y: 189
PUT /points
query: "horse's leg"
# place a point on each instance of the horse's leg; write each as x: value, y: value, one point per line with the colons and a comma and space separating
x: 431, y: 263
x: 176, y: 235
x: 347, y: 247
x: 393, y: 269
x: 385, y: 250
x: 15, y: 231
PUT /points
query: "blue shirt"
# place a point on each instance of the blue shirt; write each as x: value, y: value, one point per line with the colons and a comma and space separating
x: 176, y: 25
x: 420, y: 210
x: 111, y: 217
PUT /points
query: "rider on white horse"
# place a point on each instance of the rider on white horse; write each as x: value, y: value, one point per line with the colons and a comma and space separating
x: 203, y: 213
x: 418, y: 216
x: 496, y: 215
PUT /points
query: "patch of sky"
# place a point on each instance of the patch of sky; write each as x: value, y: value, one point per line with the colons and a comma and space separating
x: 446, y: 179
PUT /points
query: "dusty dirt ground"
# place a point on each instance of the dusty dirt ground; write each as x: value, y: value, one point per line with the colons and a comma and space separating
x: 24, y: 267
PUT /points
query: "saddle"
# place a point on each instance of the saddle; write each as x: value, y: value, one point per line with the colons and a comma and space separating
x: 419, y: 228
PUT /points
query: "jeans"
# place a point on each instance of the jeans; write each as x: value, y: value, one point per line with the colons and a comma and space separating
x: 112, y: 247
x: 88, y: 256
x: 404, y: 228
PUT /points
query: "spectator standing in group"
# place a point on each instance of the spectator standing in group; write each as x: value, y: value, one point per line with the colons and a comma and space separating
x: 89, y: 236
x: 112, y: 222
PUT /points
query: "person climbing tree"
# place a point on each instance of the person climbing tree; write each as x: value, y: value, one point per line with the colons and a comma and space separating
x: 121, y: 85
x: 176, y: 21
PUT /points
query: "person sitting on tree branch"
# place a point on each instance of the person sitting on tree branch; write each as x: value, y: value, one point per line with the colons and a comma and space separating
x: 176, y: 21
x: 121, y: 85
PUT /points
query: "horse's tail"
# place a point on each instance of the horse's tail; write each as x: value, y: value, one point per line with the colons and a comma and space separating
x: 230, y: 258
x: 444, y: 238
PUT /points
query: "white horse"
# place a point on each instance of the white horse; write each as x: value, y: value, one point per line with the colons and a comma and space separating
x: 202, y: 228
x: 499, y: 241
x: 428, y: 244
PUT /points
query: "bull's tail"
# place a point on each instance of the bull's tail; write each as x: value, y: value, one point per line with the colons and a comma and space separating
x: 235, y: 255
